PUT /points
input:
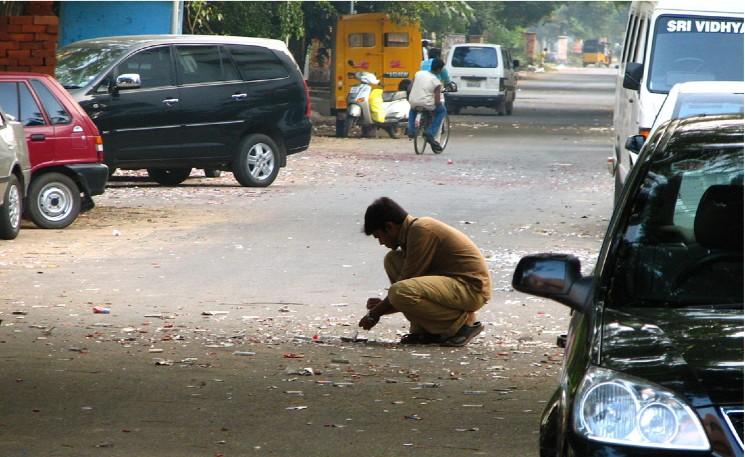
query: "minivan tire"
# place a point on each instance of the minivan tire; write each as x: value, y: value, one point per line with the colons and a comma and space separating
x: 53, y: 201
x: 257, y: 164
x: 501, y: 107
x: 169, y: 176
x: 10, y: 212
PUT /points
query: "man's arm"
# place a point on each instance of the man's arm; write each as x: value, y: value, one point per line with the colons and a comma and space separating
x: 376, y: 308
x: 420, y: 251
x: 438, y: 97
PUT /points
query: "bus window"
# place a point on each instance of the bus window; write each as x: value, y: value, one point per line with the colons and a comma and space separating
x: 396, y: 40
x: 361, y: 40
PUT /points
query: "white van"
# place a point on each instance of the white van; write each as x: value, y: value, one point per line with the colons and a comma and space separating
x: 669, y: 42
x: 485, y: 75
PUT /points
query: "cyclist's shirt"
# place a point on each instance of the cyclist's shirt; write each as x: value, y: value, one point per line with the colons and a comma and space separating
x: 423, y: 90
x: 444, y: 75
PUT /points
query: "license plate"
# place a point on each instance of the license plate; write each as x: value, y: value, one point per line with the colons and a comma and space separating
x: 473, y: 83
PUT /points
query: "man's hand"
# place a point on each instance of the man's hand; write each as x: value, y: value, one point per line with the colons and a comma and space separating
x: 373, y: 302
x: 369, y: 321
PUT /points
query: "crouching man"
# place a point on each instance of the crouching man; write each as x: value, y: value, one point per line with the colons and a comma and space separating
x: 439, y: 278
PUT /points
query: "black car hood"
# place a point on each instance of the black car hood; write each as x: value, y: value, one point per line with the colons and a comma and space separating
x: 696, y: 352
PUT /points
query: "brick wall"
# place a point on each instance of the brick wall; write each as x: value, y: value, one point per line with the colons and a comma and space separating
x: 28, y: 43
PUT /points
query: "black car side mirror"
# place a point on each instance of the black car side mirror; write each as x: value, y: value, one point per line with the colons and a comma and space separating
x: 633, y: 76
x: 554, y: 276
x: 634, y: 143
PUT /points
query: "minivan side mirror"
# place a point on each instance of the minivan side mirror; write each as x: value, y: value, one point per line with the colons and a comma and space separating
x: 633, y: 76
x: 515, y: 63
x: 554, y: 276
x: 634, y: 143
x: 128, y: 81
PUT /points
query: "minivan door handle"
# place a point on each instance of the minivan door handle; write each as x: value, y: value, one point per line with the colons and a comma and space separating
x: 38, y: 137
x: 170, y: 101
x: 239, y: 97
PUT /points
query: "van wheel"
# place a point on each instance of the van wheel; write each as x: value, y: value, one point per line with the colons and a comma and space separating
x: 257, y: 164
x: 53, y: 201
x: 508, y: 107
x: 169, y: 176
x: 212, y: 173
x: 10, y: 212
x: 454, y: 109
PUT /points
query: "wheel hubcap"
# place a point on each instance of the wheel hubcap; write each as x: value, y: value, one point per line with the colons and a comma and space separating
x: 260, y: 161
x: 14, y: 206
x: 55, y: 202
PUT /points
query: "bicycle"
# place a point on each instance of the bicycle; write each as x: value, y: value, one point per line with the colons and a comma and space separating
x: 424, y: 120
x: 422, y: 123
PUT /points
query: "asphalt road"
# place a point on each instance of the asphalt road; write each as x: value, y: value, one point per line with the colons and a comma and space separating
x: 228, y: 305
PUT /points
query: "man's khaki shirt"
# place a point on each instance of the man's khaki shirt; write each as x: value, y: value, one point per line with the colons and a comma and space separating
x: 433, y: 248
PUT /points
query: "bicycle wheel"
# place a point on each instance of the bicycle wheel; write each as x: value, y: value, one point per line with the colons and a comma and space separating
x: 444, y: 134
x: 420, y: 142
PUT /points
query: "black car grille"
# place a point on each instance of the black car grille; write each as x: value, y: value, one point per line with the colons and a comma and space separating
x: 735, y: 419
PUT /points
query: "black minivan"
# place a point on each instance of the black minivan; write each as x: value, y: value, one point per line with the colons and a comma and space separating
x: 653, y: 362
x: 170, y: 103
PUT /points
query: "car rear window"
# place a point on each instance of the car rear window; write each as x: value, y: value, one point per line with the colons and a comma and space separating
x: 257, y: 63
x: 55, y: 110
x: 474, y: 57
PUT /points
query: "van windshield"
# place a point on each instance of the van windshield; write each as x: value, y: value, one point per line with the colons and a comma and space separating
x: 688, y: 48
x: 474, y: 57
x: 78, y: 65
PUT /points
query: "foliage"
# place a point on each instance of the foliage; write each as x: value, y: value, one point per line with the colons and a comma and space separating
x: 588, y: 20
x: 199, y: 15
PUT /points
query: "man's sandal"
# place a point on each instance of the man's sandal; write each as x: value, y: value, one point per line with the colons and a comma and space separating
x: 464, y: 335
x: 420, y: 338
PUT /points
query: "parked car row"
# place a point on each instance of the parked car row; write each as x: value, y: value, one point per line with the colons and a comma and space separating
x: 165, y: 103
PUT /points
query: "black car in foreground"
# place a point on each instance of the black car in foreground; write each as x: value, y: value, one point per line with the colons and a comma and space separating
x: 654, y: 355
x: 170, y: 103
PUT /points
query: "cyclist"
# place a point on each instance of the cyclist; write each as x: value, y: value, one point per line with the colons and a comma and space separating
x: 425, y: 91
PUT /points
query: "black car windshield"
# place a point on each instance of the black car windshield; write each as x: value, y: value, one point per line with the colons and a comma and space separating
x: 689, y: 48
x: 681, y: 243
x: 78, y: 65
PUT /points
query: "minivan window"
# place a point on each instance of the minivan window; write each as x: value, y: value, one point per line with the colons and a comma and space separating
x: 56, y: 112
x: 691, y: 48
x: 78, y: 65
x: 675, y: 249
x: 257, y: 63
x: 474, y: 57
x: 152, y: 64
x: 202, y: 64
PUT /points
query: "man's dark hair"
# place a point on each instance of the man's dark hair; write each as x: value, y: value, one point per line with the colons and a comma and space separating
x: 434, y: 53
x: 381, y: 211
x: 437, y: 65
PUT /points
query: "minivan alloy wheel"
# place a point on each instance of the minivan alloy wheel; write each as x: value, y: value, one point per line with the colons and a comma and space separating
x: 257, y: 164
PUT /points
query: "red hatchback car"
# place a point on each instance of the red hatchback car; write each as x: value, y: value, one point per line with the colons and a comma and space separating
x: 64, y: 146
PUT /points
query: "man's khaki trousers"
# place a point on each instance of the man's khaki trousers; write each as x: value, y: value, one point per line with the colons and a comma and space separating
x: 435, y: 304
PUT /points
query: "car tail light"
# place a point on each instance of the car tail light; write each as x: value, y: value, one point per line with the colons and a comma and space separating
x: 307, y: 99
x: 644, y: 133
x: 99, y: 148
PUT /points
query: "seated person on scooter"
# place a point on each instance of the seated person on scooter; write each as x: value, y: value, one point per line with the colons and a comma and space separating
x: 425, y: 91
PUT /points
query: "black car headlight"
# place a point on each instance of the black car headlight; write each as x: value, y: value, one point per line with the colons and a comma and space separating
x: 616, y: 408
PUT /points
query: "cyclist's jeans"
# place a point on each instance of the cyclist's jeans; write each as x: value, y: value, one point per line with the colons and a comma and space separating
x: 433, y: 129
